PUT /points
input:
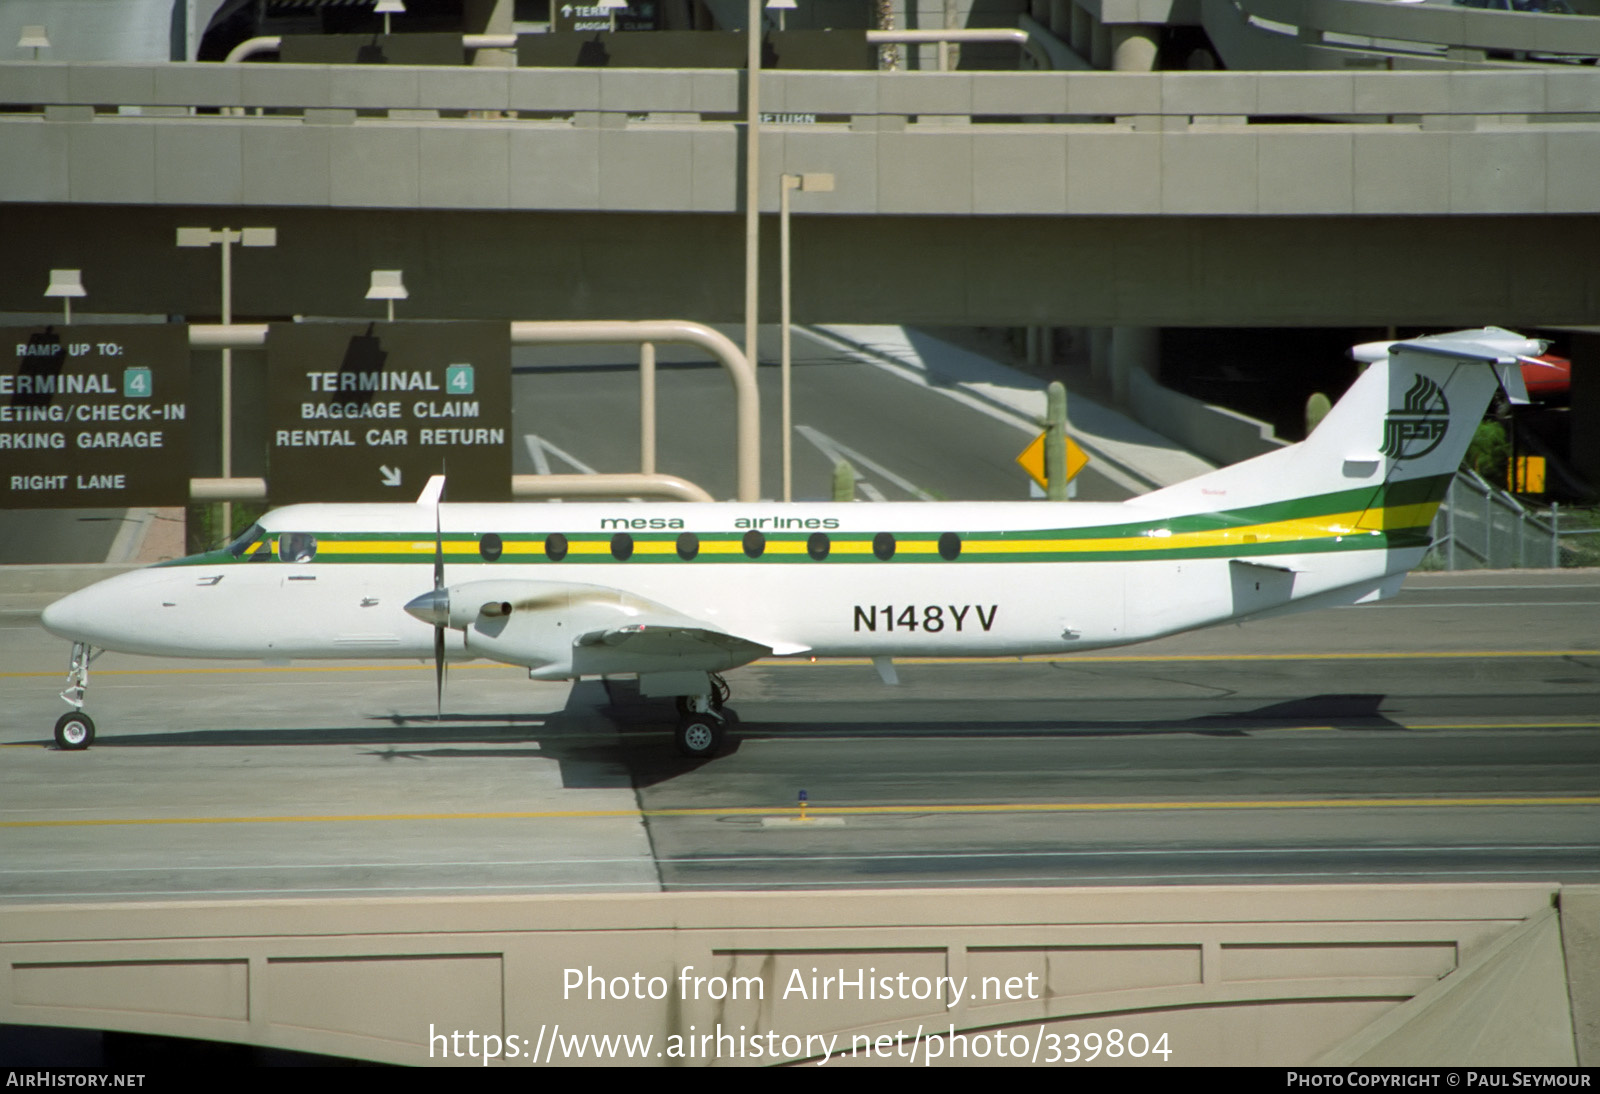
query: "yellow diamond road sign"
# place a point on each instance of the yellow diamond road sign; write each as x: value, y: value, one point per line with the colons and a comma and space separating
x: 1032, y: 460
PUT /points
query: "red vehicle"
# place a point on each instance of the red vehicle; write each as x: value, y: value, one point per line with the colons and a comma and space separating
x: 1547, y: 377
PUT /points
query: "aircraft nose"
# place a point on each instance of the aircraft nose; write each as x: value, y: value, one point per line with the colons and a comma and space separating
x: 72, y: 617
x: 117, y: 613
x: 432, y: 607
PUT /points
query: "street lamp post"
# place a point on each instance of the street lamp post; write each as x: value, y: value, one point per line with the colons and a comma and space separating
x: 65, y: 284
x: 227, y: 237
x: 388, y: 285
x: 752, y: 181
x: 612, y: 7
x: 34, y: 38
x: 820, y: 183
x: 782, y: 7
x: 389, y: 8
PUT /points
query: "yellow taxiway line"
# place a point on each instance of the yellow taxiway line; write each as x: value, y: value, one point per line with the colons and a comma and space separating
x: 998, y: 808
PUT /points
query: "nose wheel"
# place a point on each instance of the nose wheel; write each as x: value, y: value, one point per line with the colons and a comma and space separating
x: 74, y: 731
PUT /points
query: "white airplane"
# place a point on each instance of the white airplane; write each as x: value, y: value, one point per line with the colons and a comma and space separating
x: 678, y: 593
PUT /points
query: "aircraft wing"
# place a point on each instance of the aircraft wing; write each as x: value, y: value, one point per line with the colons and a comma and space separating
x: 673, y: 640
x: 564, y: 629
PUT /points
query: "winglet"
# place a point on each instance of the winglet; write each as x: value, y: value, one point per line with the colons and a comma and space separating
x: 432, y: 492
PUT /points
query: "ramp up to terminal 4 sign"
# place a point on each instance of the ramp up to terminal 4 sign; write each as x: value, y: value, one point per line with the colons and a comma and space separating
x: 94, y: 416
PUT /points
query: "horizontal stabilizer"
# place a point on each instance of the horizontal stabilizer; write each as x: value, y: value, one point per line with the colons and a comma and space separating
x: 1492, y: 344
x: 1503, y: 349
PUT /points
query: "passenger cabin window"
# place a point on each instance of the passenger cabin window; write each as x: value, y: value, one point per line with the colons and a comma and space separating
x: 688, y: 545
x: 883, y: 545
x: 622, y: 546
x: 297, y: 547
x: 949, y: 546
x: 754, y: 543
x: 490, y: 547
x: 817, y: 545
x: 555, y: 547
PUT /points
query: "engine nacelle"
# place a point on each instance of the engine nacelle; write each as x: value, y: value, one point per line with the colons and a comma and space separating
x: 562, y: 629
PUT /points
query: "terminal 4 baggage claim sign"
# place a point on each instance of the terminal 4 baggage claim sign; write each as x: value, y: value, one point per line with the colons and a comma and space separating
x: 94, y: 416
x: 366, y: 412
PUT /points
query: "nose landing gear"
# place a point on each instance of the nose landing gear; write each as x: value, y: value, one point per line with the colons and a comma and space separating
x: 75, y: 729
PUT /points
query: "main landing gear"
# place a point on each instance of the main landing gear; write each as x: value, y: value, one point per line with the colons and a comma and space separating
x: 75, y: 729
x: 703, y: 720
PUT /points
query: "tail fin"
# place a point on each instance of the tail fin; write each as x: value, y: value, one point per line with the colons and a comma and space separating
x: 1383, y: 457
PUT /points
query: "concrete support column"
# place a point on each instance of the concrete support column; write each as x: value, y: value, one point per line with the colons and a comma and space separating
x: 1099, y: 352
x: 1082, y: 40
x: 1133, y: 348
x: 1585, y: 410
x: 1060, y: 23
x: 1040, y: 346
x: 1134, y: 48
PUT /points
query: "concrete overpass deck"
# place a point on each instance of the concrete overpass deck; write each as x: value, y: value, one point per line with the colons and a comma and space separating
x: 980, y: 198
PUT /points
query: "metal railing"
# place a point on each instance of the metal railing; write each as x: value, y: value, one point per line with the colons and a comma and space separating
x: 1479, y: 526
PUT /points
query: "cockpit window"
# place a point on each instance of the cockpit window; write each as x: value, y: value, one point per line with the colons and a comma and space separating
x: 253, y: 541
x: 297, y: 547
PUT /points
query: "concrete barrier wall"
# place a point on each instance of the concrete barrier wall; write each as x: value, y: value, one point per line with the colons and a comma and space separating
x: 28, y: 87
x: 1135, y: 169
x: 900, y: 144
x: 1214, y: 975
x: 1221, y: 435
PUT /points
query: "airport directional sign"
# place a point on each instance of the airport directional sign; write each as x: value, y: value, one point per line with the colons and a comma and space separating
x: 94, y: 416
x: 591, y: 17
x: 367, y: 412
x: 1032, y: 460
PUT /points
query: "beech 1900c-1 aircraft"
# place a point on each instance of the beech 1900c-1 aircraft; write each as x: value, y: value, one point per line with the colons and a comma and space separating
x: 678, y: 593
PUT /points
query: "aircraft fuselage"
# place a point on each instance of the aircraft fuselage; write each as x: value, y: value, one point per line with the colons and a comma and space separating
x: 894, y: 579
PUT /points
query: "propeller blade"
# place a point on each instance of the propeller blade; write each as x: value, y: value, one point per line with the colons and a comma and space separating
x: 438, y: 630
x: 438, y: 551
x: 438, y: 672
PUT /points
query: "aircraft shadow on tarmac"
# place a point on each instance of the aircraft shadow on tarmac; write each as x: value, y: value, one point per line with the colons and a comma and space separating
x: 608, y: 737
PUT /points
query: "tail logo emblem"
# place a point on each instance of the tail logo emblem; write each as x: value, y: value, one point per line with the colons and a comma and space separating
x: 1412, y: 431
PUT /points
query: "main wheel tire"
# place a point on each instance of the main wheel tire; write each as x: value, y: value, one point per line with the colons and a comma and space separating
x: 699, y: 736
x: 74, y: 731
